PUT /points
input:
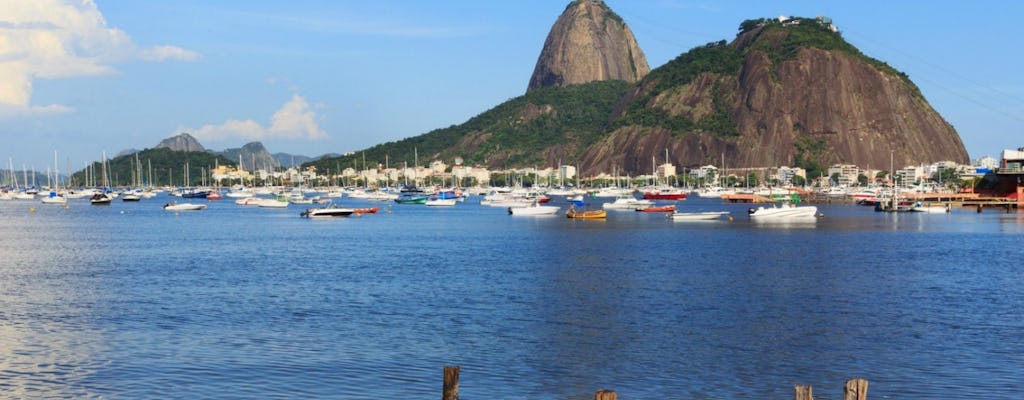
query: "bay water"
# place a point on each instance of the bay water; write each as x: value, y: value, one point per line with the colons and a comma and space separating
x: 130, y: 301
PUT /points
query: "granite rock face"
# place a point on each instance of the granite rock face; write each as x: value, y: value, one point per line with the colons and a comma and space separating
x: 822, y: 106
x: 588, y: 43
x: 181, y: 142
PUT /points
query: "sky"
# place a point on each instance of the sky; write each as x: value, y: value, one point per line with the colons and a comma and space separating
x: 309, y: 77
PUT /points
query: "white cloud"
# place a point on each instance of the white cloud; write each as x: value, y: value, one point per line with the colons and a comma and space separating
x: 294, y: 120
x: 62, y: 39
x: 8, y: 111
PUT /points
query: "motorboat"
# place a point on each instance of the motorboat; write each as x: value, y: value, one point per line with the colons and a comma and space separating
x: 590, y: 214
x: 627, y: 203
x: 784, y: 212
x: 930, y: 208
x: 54, y: 198
x: 326, y: 212
x: 101, y: 199
x: 535, y: 209
x: 658, y: 209
x: 273, y: 203
x: 440, y: 202
x: 665, y: 193
x: 698, y: 216
x: 131, y: 196
x: 248, y: 201
x: 172, y: 206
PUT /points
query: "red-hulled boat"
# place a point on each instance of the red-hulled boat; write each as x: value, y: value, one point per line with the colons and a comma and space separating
x: 658, y: 209
x: 665, y: 194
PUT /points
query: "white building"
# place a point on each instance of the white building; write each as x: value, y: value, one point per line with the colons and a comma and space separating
x: 1012, y: 161
x: 566, y: 172
x: 705, y: 172
x: 665, y: 170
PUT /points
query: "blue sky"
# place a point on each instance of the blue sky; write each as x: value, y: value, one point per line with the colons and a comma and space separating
x: 312, y: 77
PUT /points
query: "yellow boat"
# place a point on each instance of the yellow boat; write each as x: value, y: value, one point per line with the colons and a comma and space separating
x: 593, y: 214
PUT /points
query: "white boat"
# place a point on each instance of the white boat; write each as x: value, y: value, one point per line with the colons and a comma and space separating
x: 327, y: 212
x: 627, y: 203
x: 240, y: 194
x: 300, y: 200
x: 535, y: 209
x: 54, y: 198
x: 272, y: 203
x: 698, y: 216
x: 441, y: 202
x: 248, y: 201
x: 930, y: 208
x: 714, y: 192
x: 784, y: 212
x: 131, y: 196
x: 172, y: 206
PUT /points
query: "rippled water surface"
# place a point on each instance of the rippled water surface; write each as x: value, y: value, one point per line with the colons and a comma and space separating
x: 129, y: 301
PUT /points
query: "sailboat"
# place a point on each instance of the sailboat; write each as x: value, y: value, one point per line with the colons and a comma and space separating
x: 102, y: 198
x: 134, y: 194
x: 55, y: 197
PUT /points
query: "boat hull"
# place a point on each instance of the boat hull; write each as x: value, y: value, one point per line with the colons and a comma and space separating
x: 184, y: 207
x: 533, y: 210
x: 784, y: 213
x: 699, y: 216
x: 327, y: 212
x: 597, y: 214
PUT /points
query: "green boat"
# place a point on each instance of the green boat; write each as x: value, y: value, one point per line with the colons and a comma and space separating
x: 410, y: 199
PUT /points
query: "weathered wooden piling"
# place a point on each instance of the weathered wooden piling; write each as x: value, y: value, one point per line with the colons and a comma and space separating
x: 856, y: 389
x: 605, y: 394
x: 802, y: 392
x: 451, y: 383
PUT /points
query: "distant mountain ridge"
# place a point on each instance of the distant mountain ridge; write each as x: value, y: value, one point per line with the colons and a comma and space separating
x: 254, y: 155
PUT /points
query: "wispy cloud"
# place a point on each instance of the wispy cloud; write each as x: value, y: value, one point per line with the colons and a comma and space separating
x: 62, y: 39
x: 8, y: 111
x: 294, y: 120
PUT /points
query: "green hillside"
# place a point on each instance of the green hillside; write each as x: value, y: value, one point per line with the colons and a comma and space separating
x: 167, y: 166
x: 518, y: 131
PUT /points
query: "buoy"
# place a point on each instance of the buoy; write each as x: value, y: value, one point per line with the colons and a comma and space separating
x: 730, y: 218
x: 31, y: 209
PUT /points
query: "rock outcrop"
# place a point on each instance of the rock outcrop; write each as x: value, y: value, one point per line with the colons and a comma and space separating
x: 588, y: 43
x: 809, y: 100
x: 181, y: 142
x: 253, y: 156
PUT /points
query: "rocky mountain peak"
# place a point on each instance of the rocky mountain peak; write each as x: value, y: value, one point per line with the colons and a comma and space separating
x: 181, y: 142
x: 588, y: 43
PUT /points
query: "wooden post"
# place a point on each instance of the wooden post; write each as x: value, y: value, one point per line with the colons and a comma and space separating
x: 856, y: 389
x: 451, y: 383
x: 605, y: 394
x: 803, y: 392
x: 1020, y: 196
